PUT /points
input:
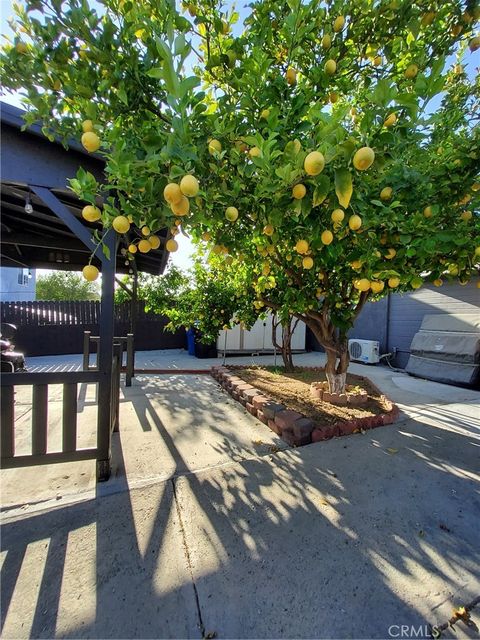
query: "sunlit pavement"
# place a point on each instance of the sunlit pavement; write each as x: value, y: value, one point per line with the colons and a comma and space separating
x: 206, y: 528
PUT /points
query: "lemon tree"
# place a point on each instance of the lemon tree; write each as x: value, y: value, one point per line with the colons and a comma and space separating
x: 329, y: 149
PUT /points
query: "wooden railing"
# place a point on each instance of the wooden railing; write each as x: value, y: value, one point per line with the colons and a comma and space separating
x: 121, y: 341
x: 40, y: 383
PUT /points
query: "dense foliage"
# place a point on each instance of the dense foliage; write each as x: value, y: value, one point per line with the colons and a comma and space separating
x: 377, y: 90
x: 65, y: 285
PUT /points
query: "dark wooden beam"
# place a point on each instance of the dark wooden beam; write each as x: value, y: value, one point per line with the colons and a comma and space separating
x: 67, y: 217
x: 42, y: 242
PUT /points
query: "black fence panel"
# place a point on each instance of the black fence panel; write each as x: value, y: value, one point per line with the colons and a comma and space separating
x: 56, y: 328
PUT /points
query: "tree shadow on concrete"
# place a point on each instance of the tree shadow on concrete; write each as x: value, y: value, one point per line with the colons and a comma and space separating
x: 340, y: 539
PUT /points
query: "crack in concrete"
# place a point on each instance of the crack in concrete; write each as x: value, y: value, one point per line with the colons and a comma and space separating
x: 188, y: 558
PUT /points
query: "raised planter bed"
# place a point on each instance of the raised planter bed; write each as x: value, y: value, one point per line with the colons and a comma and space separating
x: 287, y: 404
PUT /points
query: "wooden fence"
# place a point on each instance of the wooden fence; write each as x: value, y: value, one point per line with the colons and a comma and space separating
x: 83, y: 312
x: 56, y: 328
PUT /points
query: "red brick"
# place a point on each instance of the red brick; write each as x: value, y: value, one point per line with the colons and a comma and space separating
x: 317, y: 393
x: 259, y: 401
x: 243, y: 401
x: 303, y: 427
x: 235, y: 396
x: 251, y: 409
x: 357, y: 399
x: 345, y: 428
x: 249, y: 394
x: 262, y: 417
x: 274, y: 426
x: 270, y: 409
x: 294, y: 441
x: 242, y: 387
x: 322, y: 433
x: 286, y: 419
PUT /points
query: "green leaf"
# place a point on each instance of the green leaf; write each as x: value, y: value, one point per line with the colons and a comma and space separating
x: 155, y: 72
x: 343, y: 186
x: 321, y: 190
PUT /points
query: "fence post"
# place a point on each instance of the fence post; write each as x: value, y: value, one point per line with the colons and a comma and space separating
x: 86, y: 350
x: 130, y: 368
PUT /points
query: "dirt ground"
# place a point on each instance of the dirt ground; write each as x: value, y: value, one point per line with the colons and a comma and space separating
x: 293, y: 390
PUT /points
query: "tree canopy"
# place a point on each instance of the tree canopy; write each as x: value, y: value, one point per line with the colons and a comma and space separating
x: 65, y: 285
x: 331, y: 148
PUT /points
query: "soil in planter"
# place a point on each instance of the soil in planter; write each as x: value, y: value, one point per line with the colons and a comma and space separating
x: 293, y: 390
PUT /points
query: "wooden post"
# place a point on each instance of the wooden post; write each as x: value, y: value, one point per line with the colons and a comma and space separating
x: 105, y: 360
x: 130, y: 369
x: 86, y: 350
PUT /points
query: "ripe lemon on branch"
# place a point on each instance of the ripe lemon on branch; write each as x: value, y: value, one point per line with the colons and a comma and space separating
x: 314, y: 163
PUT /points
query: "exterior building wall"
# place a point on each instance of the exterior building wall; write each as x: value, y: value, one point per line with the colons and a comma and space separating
x: 395, y: 319
x: 17, y: 284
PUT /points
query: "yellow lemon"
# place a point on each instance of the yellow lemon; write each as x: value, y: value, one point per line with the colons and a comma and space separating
x: 231, y: 214
x: 377, y: 286
x: 386, y: 193
x: 144, y: 246
x: 132, y: 248
x: 307, y: 262
x: 411, y: 71
x: 182, y: 207
x: 21, y: 47
x: 326, y: 42
x: 171, y: 246
x: 474, y: 44
x: 355, y: 222
x: 314, y: 163
x: 390, y: 120
x: 427, y: 212
x: 427, y: 18
x: 87, y: 125
x: 121, y: 224
x: 299, y: 191
x: 90, y: 141
x: 330, y: 67
x: 363, y: 284
x: 466, y: 216
x: 416, y: 283
x: 476, y: 186
x: 301, y: 247
x: 391, y: 253
x: 363, y: 158
x: 338, y: 24
x: 90, y: 272
x: 217, y: 249
x: 338, y: 215
x: 172, y: 193
x: 214, y: 146
x: 291, y: 76
x: 393, y: 282
x: 90, y: 213
x: 206, y: 236
x: 189, y: 186
x: 438, y: 282
x: 154, y: 241
x: 255, y: 152
x: 268, y: 230
x: 356, y: 264
x: 326, y: 237
x: 145, y: 231
x: 265, y: 114
x: 377, y: 61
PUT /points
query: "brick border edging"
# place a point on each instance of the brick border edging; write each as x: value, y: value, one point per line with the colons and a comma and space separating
x: 293, y: 427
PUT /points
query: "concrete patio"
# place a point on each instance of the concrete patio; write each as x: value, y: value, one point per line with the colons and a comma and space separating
x: 211, y: 525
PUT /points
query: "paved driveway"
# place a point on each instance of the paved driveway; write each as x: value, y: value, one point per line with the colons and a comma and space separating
x: 349, y: 538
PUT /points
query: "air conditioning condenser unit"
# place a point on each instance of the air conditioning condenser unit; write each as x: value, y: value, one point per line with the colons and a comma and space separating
x: 367, y: 351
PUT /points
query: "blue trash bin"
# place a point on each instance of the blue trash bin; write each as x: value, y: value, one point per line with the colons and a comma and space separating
x: 191, y: 342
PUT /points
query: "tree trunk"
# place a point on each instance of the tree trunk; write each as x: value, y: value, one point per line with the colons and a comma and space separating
x: 336, y: 348
x: 286, y: 346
